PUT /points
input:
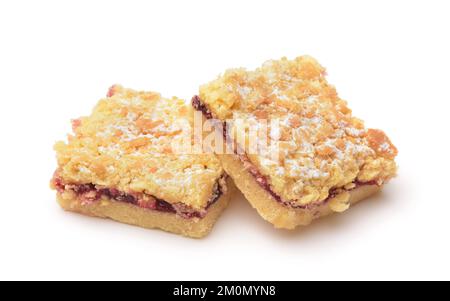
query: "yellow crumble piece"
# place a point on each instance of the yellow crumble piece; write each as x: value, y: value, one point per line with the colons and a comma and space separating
x: 322, y: 147
x: 126, y: 144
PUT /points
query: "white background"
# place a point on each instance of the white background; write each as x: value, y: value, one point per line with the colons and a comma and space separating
x: 389, y: 59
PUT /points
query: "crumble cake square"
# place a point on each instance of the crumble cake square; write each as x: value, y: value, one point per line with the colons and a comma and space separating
x: 326, y: 158
x: 119, y: 164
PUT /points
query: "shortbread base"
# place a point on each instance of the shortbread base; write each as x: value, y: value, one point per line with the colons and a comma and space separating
x: 273, y: 211
x: 150, y: 219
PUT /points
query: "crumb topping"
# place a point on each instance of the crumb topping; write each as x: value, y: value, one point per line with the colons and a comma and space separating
x: 321, y: 145
x: 125, y: 144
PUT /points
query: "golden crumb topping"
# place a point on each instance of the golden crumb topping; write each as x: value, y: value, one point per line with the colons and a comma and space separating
x: 126, y: 144
x: 321, y: 145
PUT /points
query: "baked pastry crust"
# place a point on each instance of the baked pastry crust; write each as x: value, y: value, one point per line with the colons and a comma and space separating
x: 282, y: 216
x: 121, y: 158
x: 324, y: 151
x: 151, y: 219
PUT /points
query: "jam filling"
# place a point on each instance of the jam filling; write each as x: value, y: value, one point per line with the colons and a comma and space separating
x: 260, y: 178
x: 263, y: 182
x: 91, y: 193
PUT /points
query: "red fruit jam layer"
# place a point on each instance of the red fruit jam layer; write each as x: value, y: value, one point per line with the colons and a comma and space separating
x: 91, y: 193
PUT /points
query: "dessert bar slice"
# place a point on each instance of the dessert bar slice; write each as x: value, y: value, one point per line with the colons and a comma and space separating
x: 315, y: 158
x: 120, y: 164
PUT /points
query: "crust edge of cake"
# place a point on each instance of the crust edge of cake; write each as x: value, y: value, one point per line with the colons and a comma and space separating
x: 281, y: 216
x: 151, y: 219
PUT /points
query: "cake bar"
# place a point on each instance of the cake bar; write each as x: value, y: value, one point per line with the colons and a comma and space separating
x: 326, y: 159
x: 119, y: 163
